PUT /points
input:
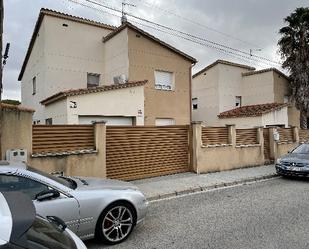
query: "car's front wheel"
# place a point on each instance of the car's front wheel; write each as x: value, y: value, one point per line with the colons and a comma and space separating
x: 116, y: 223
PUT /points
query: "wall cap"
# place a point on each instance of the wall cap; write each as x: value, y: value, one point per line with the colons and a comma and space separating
x: 62, y: 154
x: 98, y: 122
x: 196, y: 122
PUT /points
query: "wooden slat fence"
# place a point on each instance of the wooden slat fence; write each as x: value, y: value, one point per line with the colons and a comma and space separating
x: 215, y: 135
x: 141, y: 152
x: 62, y: 138
x: 303, y: 135
x: 286, y: 134
x: 246, y: 136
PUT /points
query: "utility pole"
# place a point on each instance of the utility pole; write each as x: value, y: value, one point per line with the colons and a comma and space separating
x: 124, y: 14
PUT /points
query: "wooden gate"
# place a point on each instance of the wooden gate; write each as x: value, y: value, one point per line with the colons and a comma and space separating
x: 266, y: 145
x: 141, y: 152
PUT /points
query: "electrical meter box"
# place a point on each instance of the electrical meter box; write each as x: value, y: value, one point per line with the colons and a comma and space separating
x: 16, y: 155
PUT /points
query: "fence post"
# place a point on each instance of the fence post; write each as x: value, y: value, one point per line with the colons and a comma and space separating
x: 295, y: 134
x: 272, y: 144
x: 196, y: 144
x: 231, y: 135
x: 260, y: 140
x: 100, y: 146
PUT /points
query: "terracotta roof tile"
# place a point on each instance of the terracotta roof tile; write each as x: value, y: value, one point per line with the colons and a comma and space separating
x: 15, y: 108
x: 251, y: 110
x: 74, y: 92
x: 229, y: 63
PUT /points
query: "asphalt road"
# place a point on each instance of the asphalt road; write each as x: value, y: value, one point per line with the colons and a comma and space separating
x: 269, y: 214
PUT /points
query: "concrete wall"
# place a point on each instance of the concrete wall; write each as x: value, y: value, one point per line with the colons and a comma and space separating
x: 211, y: 159
x: 242, y: 123
x: 146, y: 56
x: 58, y: 111
x: 16, y: 129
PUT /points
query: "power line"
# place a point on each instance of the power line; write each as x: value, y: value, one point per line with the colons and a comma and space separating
x: 221, y: 48
x: 184, y: 33
x: 197, y: 23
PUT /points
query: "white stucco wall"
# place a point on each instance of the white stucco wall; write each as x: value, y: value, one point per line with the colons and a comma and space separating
x: 230, y: 86
x: 35, y: 68
x: 61, y: 58
x: 126, y: 102
x: 205, y: 89
x: 279, y: 117
x: 57, y: 111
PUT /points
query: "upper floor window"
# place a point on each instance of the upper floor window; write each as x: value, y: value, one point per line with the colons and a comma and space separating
x: 93, y: 79
x: 194, y: 104
x: 33, y: 85
x: 238, y: 101
x: 163, y: 80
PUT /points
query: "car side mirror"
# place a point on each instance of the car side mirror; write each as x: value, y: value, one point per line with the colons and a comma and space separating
x: 47, y: 194
x: 289, y: 151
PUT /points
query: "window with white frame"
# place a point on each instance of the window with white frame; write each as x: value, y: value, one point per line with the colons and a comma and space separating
x: 163, y: 80
x: 194, y: 104
x: 238, y: 101
x: 93, y: 79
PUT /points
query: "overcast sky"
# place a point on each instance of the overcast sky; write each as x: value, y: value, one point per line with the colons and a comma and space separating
x: 240, y: 24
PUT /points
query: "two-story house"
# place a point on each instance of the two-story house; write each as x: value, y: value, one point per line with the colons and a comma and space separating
x: 230, y: 93
x: 77, y: 71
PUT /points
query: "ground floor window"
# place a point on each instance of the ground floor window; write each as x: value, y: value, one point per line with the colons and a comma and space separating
x: 165, y: 121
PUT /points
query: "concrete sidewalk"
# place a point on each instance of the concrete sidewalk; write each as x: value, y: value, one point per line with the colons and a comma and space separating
x: 179, y: 184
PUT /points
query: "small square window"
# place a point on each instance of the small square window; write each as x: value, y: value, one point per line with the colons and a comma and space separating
x: 238, y: 101
x: 194, y: 104
x: 49, y: 121
x: 33, y: 85
x: 93, y: 79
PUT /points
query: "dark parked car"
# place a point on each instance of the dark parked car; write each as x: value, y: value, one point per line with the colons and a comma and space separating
x: 295, y: 163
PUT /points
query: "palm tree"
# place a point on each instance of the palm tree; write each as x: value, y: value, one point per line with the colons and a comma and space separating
x: 294, y: 50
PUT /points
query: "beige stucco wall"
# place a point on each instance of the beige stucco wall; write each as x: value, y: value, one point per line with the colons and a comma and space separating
x: 205, y: 89
x: 281, y: 89
x: 61, y: 58
x: 125, y: 102
x: 16, y: 130
x: 146, y: 56
x: 89, y: 165
x: 116, y: 57
x: 284, y: 148
x: 258, y: 88
x: 212, y: 159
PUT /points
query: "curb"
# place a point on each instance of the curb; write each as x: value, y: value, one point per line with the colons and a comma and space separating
x: 211, y: 187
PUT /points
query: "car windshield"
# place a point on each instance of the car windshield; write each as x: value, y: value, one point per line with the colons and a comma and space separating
x: 302, y: 149
x: 44, y: 234
x: 60, y: 179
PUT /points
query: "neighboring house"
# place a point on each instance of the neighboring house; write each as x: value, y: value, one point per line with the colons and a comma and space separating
x: 230, y: 93
x: 75, y: 59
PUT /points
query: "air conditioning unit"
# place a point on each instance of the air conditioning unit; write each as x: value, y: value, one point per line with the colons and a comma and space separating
x: 120, y: 79
x: 16, y: 155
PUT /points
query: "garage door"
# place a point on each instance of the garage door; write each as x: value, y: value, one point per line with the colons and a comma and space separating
x: 110, y: 120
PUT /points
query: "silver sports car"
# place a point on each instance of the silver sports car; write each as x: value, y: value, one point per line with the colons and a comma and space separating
x: 91, y: 207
